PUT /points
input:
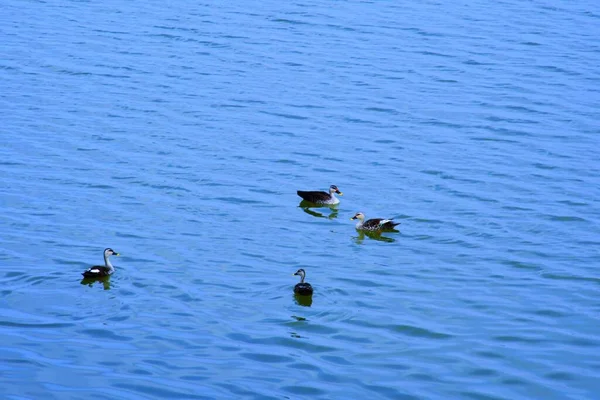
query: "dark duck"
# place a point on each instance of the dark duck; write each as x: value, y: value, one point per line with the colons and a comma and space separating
x: 302, y: 288
x: 375, y: 224
x: 317, y: 197
x: 99, y: 271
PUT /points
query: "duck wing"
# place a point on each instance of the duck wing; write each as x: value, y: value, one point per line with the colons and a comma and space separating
x: 380, y: 223
x: 373, y: 224
x: 96, y: 272
x: 314, y: 196
x: 388, y: 224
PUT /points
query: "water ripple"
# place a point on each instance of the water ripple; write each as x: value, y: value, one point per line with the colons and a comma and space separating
x: 180, y: 141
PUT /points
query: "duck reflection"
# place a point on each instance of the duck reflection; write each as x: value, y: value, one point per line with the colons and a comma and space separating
x: 374, y: 235
x: 307, y: 205
x: 301, y: 300
x: 105, y: 280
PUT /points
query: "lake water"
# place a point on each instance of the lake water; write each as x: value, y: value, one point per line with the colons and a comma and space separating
x: 178, y: 132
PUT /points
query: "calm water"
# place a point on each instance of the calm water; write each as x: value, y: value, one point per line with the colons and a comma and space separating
x: 178, y: 133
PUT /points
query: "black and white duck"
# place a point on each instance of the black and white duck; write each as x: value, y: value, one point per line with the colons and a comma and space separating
x: 99, y: 271
x: 302, y: 288
x: 321, y: 197
x: 375, y: 224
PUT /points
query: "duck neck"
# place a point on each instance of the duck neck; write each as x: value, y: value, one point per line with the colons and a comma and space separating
x: 108, y: 263
x: 301, y: 278
x: 360, y: 222
x: 332, y: 194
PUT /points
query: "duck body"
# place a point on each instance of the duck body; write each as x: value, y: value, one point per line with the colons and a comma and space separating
x: 318, y: 197
x: 375, y: 224
x: 100, y: 271
x: 97, y: 271
x: 303, y: 288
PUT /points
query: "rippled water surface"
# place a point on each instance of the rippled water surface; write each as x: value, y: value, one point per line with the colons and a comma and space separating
x: 178, y: 132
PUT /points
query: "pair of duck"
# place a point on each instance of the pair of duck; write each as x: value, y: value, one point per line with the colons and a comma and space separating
x: 324, y: 198
x: 101, y: 271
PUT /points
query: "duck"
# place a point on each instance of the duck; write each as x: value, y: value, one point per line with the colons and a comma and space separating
x: 303, y: 288
x: 99, y: 271
x: 321, y: 197
x: 375, y: 224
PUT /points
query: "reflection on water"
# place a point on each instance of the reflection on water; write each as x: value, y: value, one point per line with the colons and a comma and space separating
x: 307, y: 205
x: 296, y: 318
x: 305, y: 301
x: 105, y: 280
x: 472, y: 149
x: 374, y: 235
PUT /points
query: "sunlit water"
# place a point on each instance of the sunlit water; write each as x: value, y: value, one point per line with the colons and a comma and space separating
x: 178, y: 133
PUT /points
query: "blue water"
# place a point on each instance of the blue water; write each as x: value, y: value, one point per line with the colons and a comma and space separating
x: 177, y: 133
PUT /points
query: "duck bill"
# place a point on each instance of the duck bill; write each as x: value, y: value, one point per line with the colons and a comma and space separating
x: 340, y: 193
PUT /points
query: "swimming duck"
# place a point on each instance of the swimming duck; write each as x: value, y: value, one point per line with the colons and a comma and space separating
x: 321, y: 197
x: 98, y: 271
x: 302, y: 288
x: 375, y: 224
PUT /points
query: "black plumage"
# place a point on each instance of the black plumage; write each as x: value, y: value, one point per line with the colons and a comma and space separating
x: 97, y: 271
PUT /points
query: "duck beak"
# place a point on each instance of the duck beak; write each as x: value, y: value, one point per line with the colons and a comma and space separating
x: 352, y: 218
x: 340, y: 193
x: 116, y: 254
